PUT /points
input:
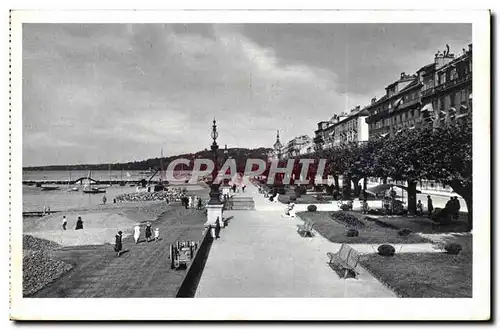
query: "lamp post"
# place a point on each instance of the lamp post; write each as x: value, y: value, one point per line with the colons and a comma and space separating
x: 214, y: 205
x: 214, y: 188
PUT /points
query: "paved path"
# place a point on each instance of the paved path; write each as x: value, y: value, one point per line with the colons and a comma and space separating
x: 144, y: 271
x: 260, y: 254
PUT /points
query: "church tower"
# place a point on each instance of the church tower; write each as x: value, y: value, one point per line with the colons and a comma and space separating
x: 278, y: 147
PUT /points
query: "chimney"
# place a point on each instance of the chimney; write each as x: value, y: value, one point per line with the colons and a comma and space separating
x: 374, y: 100
x: 402, y: 75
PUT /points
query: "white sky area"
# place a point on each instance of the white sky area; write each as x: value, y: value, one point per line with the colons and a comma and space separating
x: 99, y: 93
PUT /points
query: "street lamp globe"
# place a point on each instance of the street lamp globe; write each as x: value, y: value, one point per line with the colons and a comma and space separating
x: 214, y: 135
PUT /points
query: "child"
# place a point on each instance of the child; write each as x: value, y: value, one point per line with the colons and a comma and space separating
x: 420, y: 208
x: 157, y: 234
x: 137, y: 233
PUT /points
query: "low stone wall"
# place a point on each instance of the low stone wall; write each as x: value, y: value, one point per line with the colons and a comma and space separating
x: 190, y: 282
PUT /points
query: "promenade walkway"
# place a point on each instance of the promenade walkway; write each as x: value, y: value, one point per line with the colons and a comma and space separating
x: 142, y: 272
x: 260, y: 254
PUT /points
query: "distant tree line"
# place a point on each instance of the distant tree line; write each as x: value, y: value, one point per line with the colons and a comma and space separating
x: 239, y: 154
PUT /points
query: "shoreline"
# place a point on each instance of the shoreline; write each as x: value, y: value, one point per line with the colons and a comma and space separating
x: 101, y: 222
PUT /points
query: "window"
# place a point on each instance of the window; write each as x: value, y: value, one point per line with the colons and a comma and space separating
x: 410, y: 114
x: 452, y: 99
x: 404, y: 116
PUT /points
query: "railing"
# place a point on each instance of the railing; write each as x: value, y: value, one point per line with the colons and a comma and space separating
x: 428, y: 91
x: 454, y: 82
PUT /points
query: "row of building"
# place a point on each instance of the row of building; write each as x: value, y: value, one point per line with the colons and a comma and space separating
x: 437, y: 94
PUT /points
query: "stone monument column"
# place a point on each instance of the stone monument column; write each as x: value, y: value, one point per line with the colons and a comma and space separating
x: 214, y: 206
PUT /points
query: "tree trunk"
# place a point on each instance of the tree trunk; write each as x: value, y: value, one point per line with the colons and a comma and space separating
x: 355, y: 181
x: 336, y: 189
x: 364, y: 188
x: 346, y: 187
x: 336, y: 181
x: 412, y: 197
x: 465, y: 191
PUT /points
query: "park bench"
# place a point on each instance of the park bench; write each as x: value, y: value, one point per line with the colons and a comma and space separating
x: 346, y: 258
x: 306, y: 228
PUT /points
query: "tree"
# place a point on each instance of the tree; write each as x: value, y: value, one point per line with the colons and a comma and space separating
x: 450, y: 160
x: 404, y: 156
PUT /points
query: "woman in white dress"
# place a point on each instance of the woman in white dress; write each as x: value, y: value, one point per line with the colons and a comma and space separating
x: 137, y: 233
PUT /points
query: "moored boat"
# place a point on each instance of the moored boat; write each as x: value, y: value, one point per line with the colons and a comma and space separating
x: 50, y: 188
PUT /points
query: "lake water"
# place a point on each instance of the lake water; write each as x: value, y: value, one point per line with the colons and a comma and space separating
x: 34, y: 199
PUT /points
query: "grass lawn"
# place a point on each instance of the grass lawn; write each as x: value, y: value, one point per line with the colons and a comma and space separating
x: 424, y: 275
x: 423, y: 224
x: 305, y: 199
x: 371, y: 233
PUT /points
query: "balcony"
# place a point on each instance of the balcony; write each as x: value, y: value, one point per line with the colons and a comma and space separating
x: 428, y: 92
x: 452, y: 83
x: 318, y: 139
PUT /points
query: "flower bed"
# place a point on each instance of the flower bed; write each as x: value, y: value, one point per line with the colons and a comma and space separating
x: 369, y: 232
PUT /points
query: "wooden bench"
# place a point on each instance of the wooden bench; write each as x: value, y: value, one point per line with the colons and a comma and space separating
x: 306, y: 228
x: 347, y: 258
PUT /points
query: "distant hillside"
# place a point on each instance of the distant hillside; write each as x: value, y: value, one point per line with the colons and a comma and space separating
x: 239, y: 154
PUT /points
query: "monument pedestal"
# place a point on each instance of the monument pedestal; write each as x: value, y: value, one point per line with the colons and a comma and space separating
x: 214, y: 211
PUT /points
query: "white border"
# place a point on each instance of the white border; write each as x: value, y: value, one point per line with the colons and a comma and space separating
x: 277, y: 308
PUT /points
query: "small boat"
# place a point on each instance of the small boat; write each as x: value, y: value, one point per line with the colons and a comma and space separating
x: 50, y: 188
x: 132, y: 185
x: 88, y: 189
x: 122, y: 184
x: 74, y: 189
x: 94, y: 191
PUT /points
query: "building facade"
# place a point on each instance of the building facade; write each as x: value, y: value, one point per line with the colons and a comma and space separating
x: 342, y: 129
x: 300, y: 145
x: 398, y: 109
x: 447, y: 88
x: 439, y: 93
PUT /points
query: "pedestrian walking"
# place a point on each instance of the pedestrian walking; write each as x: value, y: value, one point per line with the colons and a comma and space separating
x: 234, y: 188
x: 190, y: 202
x: 157, y: 234
x: 217, y: 228
x: 104, y: 199
x: 148, y: 232
x: 200, y: 203
x: 430, y: 207
x: 243, y: 188
x: 137, y: 233
x: 79, y: 224
x: 64, y: 222
x: 118, y: 243
x: 420, y: 208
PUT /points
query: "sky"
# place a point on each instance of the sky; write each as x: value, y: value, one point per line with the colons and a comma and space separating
x: 109, y: 93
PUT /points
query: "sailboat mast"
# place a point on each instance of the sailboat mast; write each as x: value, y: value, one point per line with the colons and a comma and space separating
x: 161, y: 167
x: 109, y: 169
